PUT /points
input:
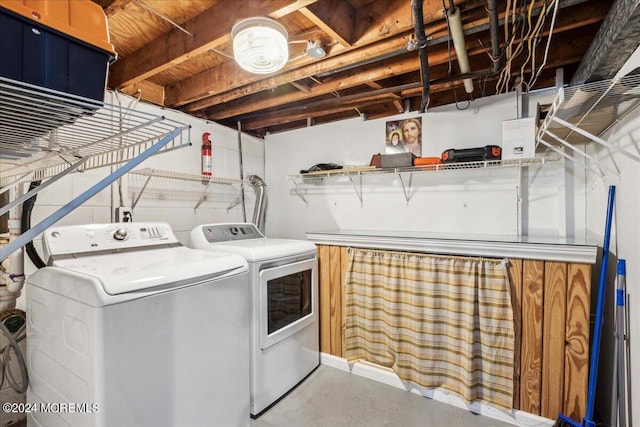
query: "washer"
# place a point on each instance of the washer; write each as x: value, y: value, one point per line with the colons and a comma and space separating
x: 127, y: 327
x: 284, y: 306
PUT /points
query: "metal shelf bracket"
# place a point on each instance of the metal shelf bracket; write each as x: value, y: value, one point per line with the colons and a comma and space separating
x: 357, y: 187
x: 583, y: 113
x: 299, y: 192
x: 406, y: 190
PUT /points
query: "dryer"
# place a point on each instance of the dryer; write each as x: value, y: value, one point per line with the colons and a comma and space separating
x: 127, y: 327
x: 284, y: 306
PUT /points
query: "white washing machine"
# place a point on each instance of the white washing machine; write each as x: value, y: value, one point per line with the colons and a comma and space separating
x: 284, y: 306
x: 127, y: 327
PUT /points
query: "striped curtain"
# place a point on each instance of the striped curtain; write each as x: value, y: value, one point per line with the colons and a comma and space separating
x: 439, y: 322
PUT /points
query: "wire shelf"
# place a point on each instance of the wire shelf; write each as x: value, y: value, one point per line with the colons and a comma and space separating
x: 592, y: 108
x: 427, y: 168
x: 42, y: 132
x: 177, y: 177
x: 181, y: 186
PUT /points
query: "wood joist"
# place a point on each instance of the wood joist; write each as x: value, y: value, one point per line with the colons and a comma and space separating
x: 272, y: 108
x: 367, y: 71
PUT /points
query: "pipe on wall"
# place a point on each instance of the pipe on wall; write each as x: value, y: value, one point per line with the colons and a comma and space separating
x: 457, y: 34
x: 258, y: 210
x: 492, y: 10
x: 418, y: 23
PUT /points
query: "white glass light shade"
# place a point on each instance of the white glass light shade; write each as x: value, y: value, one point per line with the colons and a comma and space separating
x: 260, y: 45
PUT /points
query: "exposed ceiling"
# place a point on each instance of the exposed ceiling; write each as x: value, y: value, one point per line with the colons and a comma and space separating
x: 177, y: 53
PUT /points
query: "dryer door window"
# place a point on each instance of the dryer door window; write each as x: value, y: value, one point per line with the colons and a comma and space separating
x: 287, y: 300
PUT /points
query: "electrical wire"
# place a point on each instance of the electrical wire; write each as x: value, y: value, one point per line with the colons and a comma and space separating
x: 221, y: 53
x: 546, y: 50
x: 523, y: 34
x: 520, y: 27
x: 450, y: 66
x: 5, y: 371
x: 520, y: 47
x: 531, y: 44
x: 161, y: 16
x: 25, y: 224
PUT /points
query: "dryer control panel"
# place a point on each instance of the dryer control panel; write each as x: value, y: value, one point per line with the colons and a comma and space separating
x: 78, y: 240
x: 214, y: 233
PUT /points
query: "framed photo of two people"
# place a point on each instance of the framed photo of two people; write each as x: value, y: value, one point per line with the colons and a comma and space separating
x: 404, y: 136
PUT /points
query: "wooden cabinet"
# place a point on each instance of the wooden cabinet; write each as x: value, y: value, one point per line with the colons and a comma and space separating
x: 551, y: 320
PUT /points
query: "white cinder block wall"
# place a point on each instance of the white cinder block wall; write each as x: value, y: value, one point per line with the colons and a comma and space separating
x: 505, y: 201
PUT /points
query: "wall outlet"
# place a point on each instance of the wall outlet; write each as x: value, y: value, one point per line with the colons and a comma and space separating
x: 124, y: 214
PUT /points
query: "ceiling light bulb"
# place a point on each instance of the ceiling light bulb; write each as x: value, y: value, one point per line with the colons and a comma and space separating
x: 315, y: 49
x: 260, y: 45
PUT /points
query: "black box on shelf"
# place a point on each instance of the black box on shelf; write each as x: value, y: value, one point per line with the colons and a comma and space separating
x: 398, y: 160
x: 477, y: 154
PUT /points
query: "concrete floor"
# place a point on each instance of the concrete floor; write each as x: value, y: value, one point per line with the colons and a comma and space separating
x: 331, y: 397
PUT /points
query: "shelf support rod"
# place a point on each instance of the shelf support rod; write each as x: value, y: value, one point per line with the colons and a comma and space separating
x: 144, y: 187
x: 596, y: 139
x: 41, y: 187
x: 203, y: 196
x: 236, y: 201
x: 567, y: 156
x: 30, y: 234
x: 355, y: 187
x: 407, y: 194
x: 594, y: 160
x: 299, y: 193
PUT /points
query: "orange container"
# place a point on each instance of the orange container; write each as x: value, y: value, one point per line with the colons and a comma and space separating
x: 61, y: 45
x: 83, y: 20
x: 424, y: 161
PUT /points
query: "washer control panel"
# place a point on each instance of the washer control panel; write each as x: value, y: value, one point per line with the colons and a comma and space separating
x: 79, y: 239
x: 230, y: 232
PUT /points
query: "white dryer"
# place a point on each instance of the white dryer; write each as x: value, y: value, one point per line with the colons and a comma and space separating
x: 127, y: 327
x: 284, y: 306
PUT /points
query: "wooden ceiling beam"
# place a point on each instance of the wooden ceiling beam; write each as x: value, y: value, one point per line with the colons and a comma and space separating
x: 301, y: 87
x: 210, y: 29
x: 396, y: 96
x: 355, y: 78
x: 204, y: 89
x: 384, y: 18
x: 334, y: 105
x: 213, y: 88
x: 334, y: 17
x: 568, y: 50
x: 110, y: 7
x: 147, y: 91
x: 373, y: 72
x: 227, y: 82
x: 267, y: 121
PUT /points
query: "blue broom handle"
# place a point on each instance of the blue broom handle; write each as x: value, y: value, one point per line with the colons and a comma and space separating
x: 595, y: 350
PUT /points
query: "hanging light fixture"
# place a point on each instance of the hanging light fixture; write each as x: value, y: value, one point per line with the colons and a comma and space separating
x: 260, y: 45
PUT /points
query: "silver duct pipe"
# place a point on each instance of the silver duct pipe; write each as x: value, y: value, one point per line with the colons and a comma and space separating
x: 261, y: 196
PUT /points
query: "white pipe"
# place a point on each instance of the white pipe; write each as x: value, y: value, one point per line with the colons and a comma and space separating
x: 457, y: 34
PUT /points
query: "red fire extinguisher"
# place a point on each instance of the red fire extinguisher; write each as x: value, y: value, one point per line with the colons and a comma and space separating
x: 207, y: 166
